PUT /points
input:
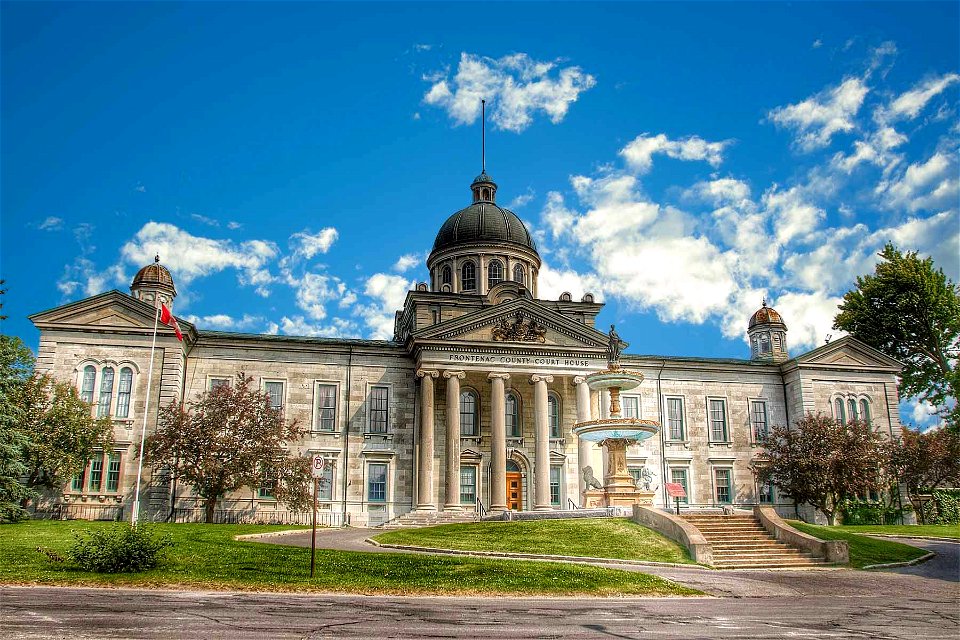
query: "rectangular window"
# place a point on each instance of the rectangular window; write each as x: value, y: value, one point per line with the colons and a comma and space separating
x: 106, y: 392
x: 631, y: 406
x: 553, y: 411
x: 96, y: 473
x: 468, y: 485
x: 635, y: 474
x: 679, y: 476
x: 765, y: 493
x: 675, y: 419
x: 758, y: 419
x: 77, y: 483
x: 468, y: 414
x: 123, y: 392
x: 556, y: 472
x: 326, y: 417
x: 325, y: 491
x: 274, y: 391
x: 113, y: 472
x: 216, y: 383
x: 86, y: 387
x: 377, y: 482
x: 512, y: 416
x: 379, y: 403
x: 722, y: 483
x: 718, y: 420
x: 265, y: 491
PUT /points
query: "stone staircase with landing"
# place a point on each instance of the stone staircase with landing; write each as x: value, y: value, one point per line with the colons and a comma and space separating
x: 413, y: 519
x: 741, y: 542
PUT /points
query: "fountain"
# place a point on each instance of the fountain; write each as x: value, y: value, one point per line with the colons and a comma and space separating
x: 615, y: 434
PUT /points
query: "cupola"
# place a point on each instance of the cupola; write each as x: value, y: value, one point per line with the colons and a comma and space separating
x: 768, y: 335
x: 153, y: 284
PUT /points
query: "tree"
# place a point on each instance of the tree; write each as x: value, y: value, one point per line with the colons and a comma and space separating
x: 923, y: 461
x: 822, y: 462
x: 911, y: 311
x: 16, y: 363
x: 230, y: 437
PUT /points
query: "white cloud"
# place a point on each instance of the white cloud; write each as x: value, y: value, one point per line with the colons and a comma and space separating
x: 315, y: 290
x: 210, y: 222
x: 552, y: 282
x: 720, y: 191
x: 407, y: 262
x: 222, y: 321
x: 516, y: 87
x: 809, y: 318
x: 308, y: 245
x: 389, y: 292
x: 817, y: 43
x: 923, y: 186
x: 51, y: 223
x: 521, y: 200
x: 794, y: 217
x: 909, y: 104
x: 639, y: 152
x: 233, y: 226
x: 298, y: 326
x: 818, y: 118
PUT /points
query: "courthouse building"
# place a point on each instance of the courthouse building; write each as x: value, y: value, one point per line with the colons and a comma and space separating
x: 474, y: 399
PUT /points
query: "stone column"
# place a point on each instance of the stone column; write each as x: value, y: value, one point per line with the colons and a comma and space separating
x: 541, y: 421
x: 583, y: 415
x: 426, y: 500
x: 498, y: 442
x: 452, y: 498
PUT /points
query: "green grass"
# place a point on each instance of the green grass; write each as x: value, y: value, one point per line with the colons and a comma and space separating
x: 915, y: 530
x: 864, y: 551
x: 617, y: 538
x: 207, y: 557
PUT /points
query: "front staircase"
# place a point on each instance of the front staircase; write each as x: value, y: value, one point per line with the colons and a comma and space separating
x: 741, y: 542
x: 413, y: 519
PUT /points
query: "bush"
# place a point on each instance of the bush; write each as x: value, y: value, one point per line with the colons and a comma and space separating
x: 944, y: 508
x: 121, y: 548
x: 858, y: 512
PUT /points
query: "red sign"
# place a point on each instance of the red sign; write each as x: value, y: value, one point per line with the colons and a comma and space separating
x: 675, y: 490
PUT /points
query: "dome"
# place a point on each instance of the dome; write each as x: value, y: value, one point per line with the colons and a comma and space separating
x: 153, y: 274
x: 765, y: 315
x: 483, y: 222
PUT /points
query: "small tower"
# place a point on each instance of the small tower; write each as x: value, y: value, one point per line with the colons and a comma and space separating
x: 484, y: 188
x: 768, y: 335
x: 154, y: 285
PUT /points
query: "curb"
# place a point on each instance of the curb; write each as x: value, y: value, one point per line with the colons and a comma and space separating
x: 906, y: 537
x: 271, y: 534
x: 894, y: 565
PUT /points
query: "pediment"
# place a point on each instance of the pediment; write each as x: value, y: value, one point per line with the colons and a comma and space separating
x: 848, y: 352
x: 110, y: 310
x: 516, y: 322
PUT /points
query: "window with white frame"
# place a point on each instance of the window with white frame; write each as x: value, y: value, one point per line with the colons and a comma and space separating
x: 838, y: 413
x: 377, y: 482
x: 106, y: 392
x: 766, y: 493
x: 851, y: 409
x: 556, y: 474
x: 718, y: 419
x: 217, y: 383
x: 86, y: 385
x: 469, y: 414
x: 519, y: 275
x: 325, y: 490
x: 494, y: 273
x: 758, y: 420
x: 553, y: 415
x: 631, y: 406
x: 637, y: 474
x: 512, y: 417
x: 325, y: 418
x: 678, y: 475
x: 468, y: 484
x: 274, y: 391
x: 676, y: 430
x: 379, y: 409
x: 721, y: 484
x: 865, y: 410
x: 468, y: 277
x: 124, y: 389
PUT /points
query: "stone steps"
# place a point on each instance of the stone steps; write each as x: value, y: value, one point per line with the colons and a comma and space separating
x: 413, y: 519
x: 741, y: 542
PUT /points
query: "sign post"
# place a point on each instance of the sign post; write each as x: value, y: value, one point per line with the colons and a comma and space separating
x: 676, y: 491
x: 316, y: 473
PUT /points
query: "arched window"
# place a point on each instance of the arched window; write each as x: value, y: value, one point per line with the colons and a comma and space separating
x: 512, y: 416
x: 838, y: 413
x: 106, y: 391
x: 446, y: 275
x: 494, y: 273
x: 764, y: 343
x: 469, y: 414
x: 852, y: 409
x: 865, y: 410
x: 553, y: 413
x: 512, y: 467
x: 123, y: 392
x: 519, y: 275
x: 468, y: 277
x: 777, y: 343
x: 86, y: 385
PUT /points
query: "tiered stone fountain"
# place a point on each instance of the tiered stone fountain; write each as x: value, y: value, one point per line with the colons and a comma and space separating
x: 615, y: 434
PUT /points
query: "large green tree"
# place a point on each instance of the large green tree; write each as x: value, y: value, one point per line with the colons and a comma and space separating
x: 228, y: 438
x: 16, y: 364
x: 910, y: 310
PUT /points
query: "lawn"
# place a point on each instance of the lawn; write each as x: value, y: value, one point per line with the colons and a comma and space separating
x: 864, y: 551
x: 207, y: 557
x: 915, y: 530
x: 617, y: 538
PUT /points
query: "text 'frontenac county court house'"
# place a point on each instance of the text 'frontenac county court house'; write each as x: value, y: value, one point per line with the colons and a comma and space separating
x: 473, y: 399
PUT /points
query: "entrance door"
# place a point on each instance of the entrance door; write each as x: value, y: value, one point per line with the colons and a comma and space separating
x: 514, y: 491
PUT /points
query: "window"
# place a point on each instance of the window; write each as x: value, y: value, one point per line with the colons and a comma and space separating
x: 631, y: 406
x: 469, y: 414
x: 326, y: 417
x: 777, y: 342
x: 325, y: 491
x: 216, y: 383
x: 377, y: 482
x: 512, y: 418
x: 852, y: 409
x: 379, y: 402
x: 106, y: 392
x: 553, y: 414
x: 266, y: 489
x: 718, y: 420
x: 679, y: 476
x: 556, y: 472
x: 494, y: 273
x: 468, y: 485
x: 636, y: 474
x: 721, y: 479
x: 766, y: 493
x: 123, y: 392
x: 77, y: 483
x: 86, y: 386
x: 758, y: 419
x: 274, y: 391
x: 96, y: 473
x: 113, y: 472
x: 764, y: 343
x: 675, y: 418
x: 468, y: 277
x: 446, y: 276
x: 519, y: 275
x: 865, y: 410
x: 838, y: 412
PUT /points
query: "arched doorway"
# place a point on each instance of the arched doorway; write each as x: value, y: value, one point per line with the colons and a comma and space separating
x: 514, y: 486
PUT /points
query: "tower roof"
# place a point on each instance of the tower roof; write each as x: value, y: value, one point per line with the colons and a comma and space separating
x: 765, y: 315
x: 153, y: 275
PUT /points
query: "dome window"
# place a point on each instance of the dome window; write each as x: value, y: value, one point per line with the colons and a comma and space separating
x: 494, y: 273
x: 446, y: 276
x: 468, y: 277
x: 519, y: 275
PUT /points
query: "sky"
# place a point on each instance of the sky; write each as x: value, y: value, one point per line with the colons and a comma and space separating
x: 292, y: 163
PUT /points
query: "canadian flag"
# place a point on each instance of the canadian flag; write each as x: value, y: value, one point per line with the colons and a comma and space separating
x: 167, y: 318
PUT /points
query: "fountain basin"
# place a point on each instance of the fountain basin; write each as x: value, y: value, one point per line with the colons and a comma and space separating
x: 614, y: 378
x: 634, y: 429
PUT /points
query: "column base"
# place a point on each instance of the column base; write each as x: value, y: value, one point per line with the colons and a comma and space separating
x: 452, y: 507
x: 543, y: 508
x: 426, y: 507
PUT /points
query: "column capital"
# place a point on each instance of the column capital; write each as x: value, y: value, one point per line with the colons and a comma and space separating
x: 433, y: 373
x: 454, y: 374
x: 579, y: 379
x: 535, y: 378
x: 503, y: 375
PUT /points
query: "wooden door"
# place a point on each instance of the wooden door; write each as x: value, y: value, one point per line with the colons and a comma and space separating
x: 514, y: 492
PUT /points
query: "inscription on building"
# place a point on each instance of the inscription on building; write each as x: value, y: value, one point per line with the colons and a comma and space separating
x: 541, y: 361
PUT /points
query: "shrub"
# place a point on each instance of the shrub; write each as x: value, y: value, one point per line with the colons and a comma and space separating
x: 858, y: 512
x: 944, y: 508
x: 118, y: 549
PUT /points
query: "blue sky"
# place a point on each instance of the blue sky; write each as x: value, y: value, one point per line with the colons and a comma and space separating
x: 291, y: 163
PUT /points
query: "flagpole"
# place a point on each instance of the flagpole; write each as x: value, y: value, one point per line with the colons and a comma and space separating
x: 146, y: 409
